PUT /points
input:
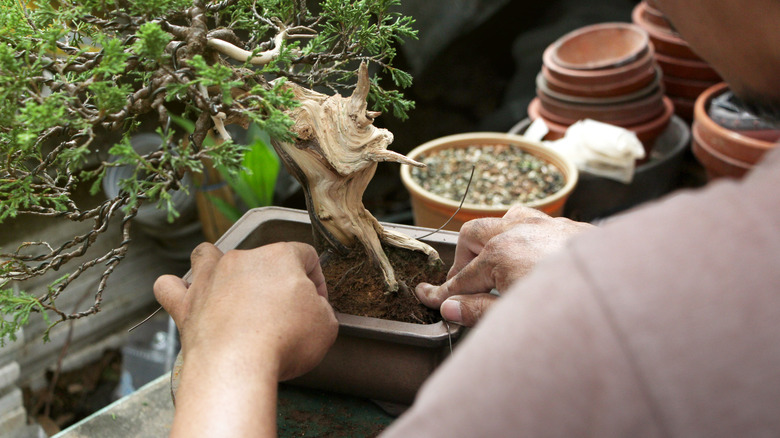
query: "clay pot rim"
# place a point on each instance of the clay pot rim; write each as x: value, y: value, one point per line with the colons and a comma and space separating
x: 655, y: 95
x: 565, y: 165
x: 533, y: 113
x: 653, y: 16
x: 662, y: 119
x: 693, y: 69
x: 683, y: 87
x: 639, y: 128
x: 611, y: 89
x: 651, y: 9
x: 537, y: 107
x: 661, y: 38
x: 687, y: 63
x: 716, y: 155
x: 636, y: 52
x: 601, y: 77
x: 622, y: 114
x: 700, y: 115
x: 541, y: 84
x: 714, y: 152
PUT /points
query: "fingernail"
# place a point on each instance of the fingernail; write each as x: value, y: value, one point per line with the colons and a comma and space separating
x: 450, y: 310
x: 424, y: 289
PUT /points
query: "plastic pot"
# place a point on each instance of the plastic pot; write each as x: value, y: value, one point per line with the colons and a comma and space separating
x: 431, y: 210
x: 372, y: 358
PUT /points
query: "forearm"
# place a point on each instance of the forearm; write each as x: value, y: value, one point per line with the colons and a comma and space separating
x: 226, y: 395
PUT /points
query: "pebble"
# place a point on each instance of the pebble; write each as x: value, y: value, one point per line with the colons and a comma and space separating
x: 504, y: 175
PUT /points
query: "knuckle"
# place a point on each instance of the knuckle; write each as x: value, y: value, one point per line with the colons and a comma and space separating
x: 231, y: 255
x: 535, y: 220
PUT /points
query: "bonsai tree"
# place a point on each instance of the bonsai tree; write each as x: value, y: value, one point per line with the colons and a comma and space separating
x: 72, y: 72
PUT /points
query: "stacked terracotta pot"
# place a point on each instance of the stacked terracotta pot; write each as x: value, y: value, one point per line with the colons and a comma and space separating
x: 605, y: 72
x: 686, y: 75
x: 722, y: 151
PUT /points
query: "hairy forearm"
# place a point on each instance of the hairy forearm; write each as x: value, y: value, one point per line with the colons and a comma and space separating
x: 226, y: 395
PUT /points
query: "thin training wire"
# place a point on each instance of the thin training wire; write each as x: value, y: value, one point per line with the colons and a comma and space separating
x: 449, y: 335
x: 145, y: 319
x: 462, y: 200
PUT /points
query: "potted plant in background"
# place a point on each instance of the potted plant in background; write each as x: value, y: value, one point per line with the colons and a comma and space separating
x: 507, y: 170
x: 71, y: 74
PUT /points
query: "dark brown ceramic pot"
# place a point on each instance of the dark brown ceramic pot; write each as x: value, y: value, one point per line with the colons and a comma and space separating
x: 372, y: 358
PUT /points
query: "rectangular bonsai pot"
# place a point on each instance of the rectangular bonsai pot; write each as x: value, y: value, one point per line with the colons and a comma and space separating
x: 372, y: 358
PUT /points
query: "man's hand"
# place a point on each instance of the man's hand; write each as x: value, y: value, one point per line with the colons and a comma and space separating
x: 491, y: 254
x: 248, y: 320
x: 271, y: 298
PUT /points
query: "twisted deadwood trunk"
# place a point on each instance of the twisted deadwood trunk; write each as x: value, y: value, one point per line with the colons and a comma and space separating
x: 334, y: 157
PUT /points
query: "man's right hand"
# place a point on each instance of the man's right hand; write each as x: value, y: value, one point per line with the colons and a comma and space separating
x: 493, y: 253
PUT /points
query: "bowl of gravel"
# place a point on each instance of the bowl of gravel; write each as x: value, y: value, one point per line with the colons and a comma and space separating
x: 493, y: 170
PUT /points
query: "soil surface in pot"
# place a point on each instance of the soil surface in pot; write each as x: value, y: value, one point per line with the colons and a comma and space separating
x: 356, y: 286
x: 504, y: 175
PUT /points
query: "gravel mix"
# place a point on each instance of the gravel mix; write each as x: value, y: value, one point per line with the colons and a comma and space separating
x: 504, y: 175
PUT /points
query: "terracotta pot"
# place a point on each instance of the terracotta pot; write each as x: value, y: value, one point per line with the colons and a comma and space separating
x: 557, y: 130
x: 683, y: 107
x: 598, y: 197
x: 687, y: 88
x: 610, y: 89
x: 653, y: 16
x: 621, y: 114
x: 716, y: 164
x: 599, y: 46
x: 686, y: 68
x: 732, y: 144
x: 542, y: 86
x: 372, y: 358
x: 431, y: 210
x: 647, y: 132
x: 601, y: 77
x: 664, y: 40
x: 652, y: 7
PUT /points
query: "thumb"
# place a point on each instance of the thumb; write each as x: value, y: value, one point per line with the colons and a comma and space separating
x: 467, y: 310
x: 169, y: 291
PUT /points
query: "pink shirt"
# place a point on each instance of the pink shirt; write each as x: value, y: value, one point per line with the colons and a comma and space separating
x: 664, y: 322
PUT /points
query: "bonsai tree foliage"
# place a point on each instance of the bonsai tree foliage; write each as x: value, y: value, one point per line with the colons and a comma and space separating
x: 73, y: 71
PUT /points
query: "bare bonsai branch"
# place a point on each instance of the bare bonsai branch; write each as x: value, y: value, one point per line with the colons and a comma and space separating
x: 77, y: 71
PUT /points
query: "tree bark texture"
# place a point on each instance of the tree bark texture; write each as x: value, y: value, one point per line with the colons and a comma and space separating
x: 334, y: 156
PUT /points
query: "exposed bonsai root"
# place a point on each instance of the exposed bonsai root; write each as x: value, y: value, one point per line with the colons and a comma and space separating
x: 334, y: 157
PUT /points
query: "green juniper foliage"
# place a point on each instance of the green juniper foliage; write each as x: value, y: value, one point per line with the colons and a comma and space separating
x: 74, y: 71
